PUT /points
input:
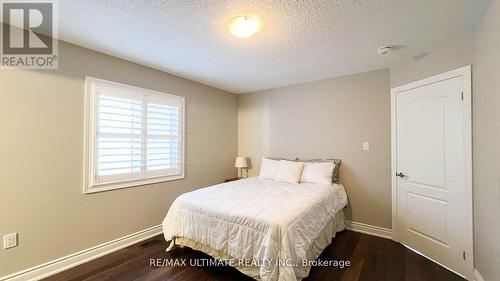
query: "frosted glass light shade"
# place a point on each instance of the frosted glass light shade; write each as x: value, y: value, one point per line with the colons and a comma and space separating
x: 243, y: 26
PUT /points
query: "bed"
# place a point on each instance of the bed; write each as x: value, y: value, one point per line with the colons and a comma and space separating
x: 264, y: 228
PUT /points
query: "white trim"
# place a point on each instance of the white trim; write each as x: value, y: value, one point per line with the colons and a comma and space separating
x: 131, y: 183
x: 394, y: 198
x: 477, y: 276
x: 469, y: 207
x: 55, y: 266
x: 89, y: 181
x: 369, y: 229
x: 465, y: 72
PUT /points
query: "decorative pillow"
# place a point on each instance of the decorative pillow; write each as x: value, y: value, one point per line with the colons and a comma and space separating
x: 268, y: 168
x: 289, y: 171
x: 317, y: 173
x: 336, y: 168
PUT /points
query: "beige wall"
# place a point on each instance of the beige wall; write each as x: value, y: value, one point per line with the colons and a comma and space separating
x: 450, y: 54
x: 481, y: 49
x: 328, y: 119
x: 41, y: 148
x: 486, y: 138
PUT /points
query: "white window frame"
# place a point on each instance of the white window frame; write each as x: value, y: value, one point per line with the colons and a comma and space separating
x: 90, y: 132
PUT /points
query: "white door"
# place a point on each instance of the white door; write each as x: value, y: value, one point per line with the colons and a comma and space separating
x: 431, y: 170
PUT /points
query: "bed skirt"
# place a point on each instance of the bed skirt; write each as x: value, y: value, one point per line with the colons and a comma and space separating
x: 336, y: 224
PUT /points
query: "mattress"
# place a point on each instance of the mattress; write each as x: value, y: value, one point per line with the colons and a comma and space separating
x: 265, y: 229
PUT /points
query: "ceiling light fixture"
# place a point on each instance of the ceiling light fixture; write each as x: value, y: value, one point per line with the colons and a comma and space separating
x: 244, y: 26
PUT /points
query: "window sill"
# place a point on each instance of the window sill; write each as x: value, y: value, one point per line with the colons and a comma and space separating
x: 119, y: 185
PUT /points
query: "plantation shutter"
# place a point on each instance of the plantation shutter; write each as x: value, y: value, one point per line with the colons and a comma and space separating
x: 163, y: 136
x: 136, y: 135
x: 119, y: 136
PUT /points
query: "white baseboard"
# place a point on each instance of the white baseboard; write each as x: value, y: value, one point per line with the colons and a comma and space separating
x: 369, y: 229
x: 52, y: 267
x: 477, y: 276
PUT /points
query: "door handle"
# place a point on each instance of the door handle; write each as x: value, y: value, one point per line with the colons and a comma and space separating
x: 400, y: 174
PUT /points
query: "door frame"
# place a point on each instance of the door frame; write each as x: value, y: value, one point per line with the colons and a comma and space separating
x: 465, y: 73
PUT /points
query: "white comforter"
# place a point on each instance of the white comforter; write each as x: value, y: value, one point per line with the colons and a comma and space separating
x: 259, y: 220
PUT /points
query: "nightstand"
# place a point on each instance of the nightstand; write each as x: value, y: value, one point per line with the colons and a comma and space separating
x: 232, y: 179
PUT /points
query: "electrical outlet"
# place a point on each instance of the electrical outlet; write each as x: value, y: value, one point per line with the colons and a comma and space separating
x: 10, y: 240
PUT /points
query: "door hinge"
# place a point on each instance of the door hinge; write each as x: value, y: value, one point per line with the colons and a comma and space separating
x: 462, y: 94
x: 463, y: 254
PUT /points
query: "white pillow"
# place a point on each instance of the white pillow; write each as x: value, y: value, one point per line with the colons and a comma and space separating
x: 268, y: 168
x: 289, y: 171
x: 318, y: 173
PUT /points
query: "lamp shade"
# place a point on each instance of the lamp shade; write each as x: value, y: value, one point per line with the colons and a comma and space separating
x: 241, y: 162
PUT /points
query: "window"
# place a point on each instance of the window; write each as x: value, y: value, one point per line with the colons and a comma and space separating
x: 133, y: 137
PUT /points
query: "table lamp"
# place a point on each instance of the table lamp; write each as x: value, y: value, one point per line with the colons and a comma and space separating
x: 241, y: 163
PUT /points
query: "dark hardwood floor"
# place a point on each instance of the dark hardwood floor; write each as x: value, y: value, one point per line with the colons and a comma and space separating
x: 371, y: 258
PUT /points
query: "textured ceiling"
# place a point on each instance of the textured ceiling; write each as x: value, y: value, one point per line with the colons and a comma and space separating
x: 300, y: 40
